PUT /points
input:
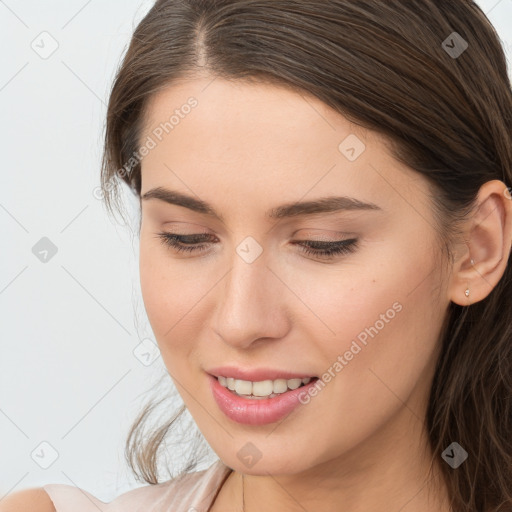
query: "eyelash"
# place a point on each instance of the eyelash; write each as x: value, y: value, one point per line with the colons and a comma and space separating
x: 326, y: 250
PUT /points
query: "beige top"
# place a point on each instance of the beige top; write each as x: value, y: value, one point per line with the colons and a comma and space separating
x: 191, y: 492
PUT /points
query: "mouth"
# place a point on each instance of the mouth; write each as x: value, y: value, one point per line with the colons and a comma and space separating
x: 259, y: 402
x: 258, y: 390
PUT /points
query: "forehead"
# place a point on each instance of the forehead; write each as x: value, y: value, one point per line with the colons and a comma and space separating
x: 255, y: 140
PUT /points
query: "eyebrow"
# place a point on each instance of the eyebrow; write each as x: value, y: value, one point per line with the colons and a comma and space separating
x: 322, y: 205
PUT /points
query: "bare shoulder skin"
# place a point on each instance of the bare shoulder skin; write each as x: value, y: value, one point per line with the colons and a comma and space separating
x: 28, y: 500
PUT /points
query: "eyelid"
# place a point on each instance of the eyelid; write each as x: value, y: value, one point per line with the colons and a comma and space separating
x: 334, y: 236
x: 321, y: 250
x: 308, y: 235
x: 190, y: 228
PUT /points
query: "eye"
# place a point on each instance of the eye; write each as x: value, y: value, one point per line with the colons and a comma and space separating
x: 328, y: 249
x: 196, y: 242
x: 187, y: 243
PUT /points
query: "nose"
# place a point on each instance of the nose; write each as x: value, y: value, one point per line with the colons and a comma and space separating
x: 252, y: 304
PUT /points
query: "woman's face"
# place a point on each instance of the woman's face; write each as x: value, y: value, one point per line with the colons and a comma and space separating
x: 251, y: 304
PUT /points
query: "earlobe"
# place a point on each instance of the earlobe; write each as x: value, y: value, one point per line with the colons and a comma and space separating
x: 488, y: 239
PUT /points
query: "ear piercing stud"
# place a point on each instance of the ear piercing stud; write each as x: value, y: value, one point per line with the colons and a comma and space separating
x: 466, y: 293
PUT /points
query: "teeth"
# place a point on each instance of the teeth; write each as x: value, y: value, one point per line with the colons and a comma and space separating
x: 261, y: 389
x: 243, y: 387
x: 294, y: 383
x: 280, y: 386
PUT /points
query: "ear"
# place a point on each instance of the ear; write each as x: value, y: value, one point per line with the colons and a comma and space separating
x: 488, y: 242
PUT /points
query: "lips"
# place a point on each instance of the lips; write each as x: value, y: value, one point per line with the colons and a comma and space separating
x: 247, y: 411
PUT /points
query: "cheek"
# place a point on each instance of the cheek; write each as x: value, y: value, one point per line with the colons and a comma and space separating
x: 164, y: 291
x: 173, y: 294
x: 386, y: 322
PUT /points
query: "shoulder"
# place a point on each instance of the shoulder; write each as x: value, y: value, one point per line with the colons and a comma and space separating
x: 27, y: 500
x: 195, y: 489
x: 189, y: 491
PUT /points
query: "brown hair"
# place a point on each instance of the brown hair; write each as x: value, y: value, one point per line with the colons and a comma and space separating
x: 386, y: 66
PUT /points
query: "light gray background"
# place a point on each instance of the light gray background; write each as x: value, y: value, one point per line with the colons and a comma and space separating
x: 72, y: 327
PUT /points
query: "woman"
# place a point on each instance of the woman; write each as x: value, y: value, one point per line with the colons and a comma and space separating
x: 326, y: 225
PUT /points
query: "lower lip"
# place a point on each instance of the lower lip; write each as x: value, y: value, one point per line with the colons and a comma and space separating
x: 262, y: 411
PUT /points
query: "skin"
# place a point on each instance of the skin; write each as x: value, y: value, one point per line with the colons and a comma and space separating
x: 247, y: 148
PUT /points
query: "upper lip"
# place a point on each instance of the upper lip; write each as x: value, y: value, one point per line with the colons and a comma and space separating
x: 256, y: 374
